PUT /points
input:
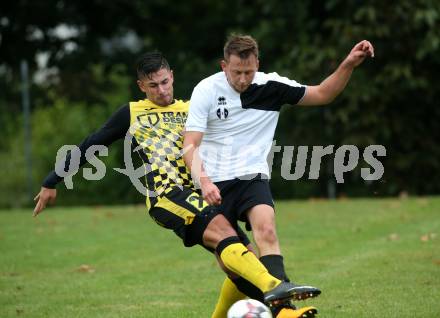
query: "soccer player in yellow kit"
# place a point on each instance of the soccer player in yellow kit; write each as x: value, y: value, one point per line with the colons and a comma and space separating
x: 155, y: 125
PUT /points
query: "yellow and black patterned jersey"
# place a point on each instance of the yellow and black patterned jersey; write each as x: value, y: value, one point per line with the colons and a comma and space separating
x: 158, y: 133
x: 156, y: 136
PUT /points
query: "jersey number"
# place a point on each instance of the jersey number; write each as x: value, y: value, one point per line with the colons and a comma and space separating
x: 197, y: 202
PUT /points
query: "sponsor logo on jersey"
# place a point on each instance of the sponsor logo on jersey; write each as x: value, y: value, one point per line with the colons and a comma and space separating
x: 152, y: 119
x: 174, y: 117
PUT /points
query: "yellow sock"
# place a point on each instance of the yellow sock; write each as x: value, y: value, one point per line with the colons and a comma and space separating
x: 237, y: 258
x: 229, y: 294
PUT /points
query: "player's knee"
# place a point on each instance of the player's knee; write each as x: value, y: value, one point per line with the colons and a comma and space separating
x: 266, y: 233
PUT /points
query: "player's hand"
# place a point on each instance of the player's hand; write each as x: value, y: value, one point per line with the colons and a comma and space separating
x: 44, y: 197
x: 210, y: 192
x: 359, y: 52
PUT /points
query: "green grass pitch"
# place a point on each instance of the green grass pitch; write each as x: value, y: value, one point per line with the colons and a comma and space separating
x: 371, y: 258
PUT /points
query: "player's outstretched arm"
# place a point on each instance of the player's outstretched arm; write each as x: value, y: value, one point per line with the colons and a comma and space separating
x: 333, y: 85
x: 114, y: 129
x: 43, y: 198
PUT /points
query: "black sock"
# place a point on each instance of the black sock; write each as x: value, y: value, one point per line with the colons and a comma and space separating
x: 275, y: 266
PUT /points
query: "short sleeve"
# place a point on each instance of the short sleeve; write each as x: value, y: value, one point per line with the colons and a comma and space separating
x: 294, y: 91
x: 199, y: 107
x: 271, y: 92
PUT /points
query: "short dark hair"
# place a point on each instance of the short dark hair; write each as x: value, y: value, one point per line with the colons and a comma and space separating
x: 241, y: 45
x: 149, y: 63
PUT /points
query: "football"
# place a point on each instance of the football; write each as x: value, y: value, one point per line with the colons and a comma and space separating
x: 249, y: 308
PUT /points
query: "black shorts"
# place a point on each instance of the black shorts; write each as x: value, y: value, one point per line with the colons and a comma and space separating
x: 238, y: 196
x: 186, y: 213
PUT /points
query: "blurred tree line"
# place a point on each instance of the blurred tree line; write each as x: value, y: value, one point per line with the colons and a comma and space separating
x: 82, y: 54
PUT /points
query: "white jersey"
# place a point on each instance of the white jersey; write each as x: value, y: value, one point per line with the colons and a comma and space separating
x: 239, y: 127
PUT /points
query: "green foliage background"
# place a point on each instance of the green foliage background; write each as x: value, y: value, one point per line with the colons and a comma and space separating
x: 391, y: 100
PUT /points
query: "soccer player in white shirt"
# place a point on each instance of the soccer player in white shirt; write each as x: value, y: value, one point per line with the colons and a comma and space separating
x: 229, y: 132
